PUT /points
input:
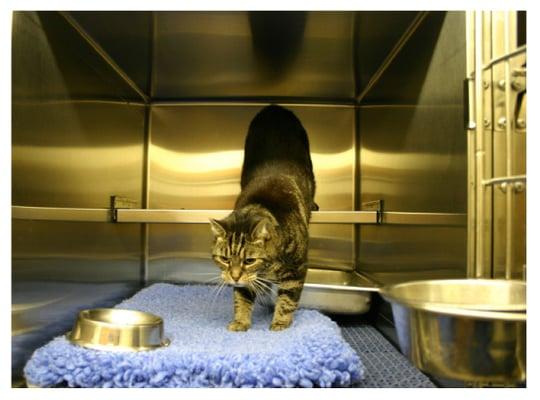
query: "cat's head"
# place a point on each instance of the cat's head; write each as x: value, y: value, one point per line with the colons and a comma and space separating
x: 243, y: 248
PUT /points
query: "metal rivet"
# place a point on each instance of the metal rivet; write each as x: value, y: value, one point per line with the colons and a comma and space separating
x: 472, y: 125
x: 519, y: 187
x: 487, y: 123
x: 502, y: 84
x: 517, y: 86
x: 503, y: 186
x: 485, y: 85
x: 520, y: 123
x: 501, y: 123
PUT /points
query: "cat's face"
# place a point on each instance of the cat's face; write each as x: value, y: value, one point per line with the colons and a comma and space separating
x: 240, y: 251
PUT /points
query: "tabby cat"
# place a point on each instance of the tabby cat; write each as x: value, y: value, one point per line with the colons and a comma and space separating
x: 264, y: 241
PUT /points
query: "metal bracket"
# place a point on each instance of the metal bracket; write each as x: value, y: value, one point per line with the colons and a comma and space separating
x: 120, y: 202
x: 375, y: 205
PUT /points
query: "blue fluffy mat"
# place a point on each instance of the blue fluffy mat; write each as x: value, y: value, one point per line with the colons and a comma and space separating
x: 203, y: 353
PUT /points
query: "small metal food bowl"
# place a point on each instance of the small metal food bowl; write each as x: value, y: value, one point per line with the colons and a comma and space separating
x: 117, y: 329
x: 470, y: 330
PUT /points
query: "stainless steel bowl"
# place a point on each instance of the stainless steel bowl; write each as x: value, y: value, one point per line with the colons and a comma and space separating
x: 469, y: 330
x: 117, y: 329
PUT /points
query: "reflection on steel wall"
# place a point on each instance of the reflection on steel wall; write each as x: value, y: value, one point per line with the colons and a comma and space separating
x: 75, y: 143
x: 75, y: 251
x: 240, y: 54
x: 413, y: 151
x: 195, y: 161
x: 71, y: 154
x: 392, y: 253
x: 411, y: 159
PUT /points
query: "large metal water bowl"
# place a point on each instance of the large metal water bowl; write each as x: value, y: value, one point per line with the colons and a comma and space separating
x: 470, y: 330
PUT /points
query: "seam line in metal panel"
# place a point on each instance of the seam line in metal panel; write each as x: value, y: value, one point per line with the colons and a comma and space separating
x: 77, y: 101
x: 145, y: 228
x: 145, y: 234
x: 393, y: 53
x: 356, y: 187
x: 250, y: 102
x: 104, y: 55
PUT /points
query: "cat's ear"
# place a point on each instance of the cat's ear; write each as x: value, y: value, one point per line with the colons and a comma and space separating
x: 261, y: 231
x: 217, y: 228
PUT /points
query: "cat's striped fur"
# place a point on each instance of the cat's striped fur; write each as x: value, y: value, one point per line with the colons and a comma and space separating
x: 264, y: 241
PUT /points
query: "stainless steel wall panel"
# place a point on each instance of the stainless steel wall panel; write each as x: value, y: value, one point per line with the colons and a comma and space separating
x: 53, y: 62
x: 126, y: 36
x: 196, y: 156
x: 413, y: 158
x: 412, y: 154
x: 75, y: 251
x: 376, y: 33
x: 76, y: 154
x: 241, y: 54
x: 410, y: 250
x: 430, y: 68
x: 69, y: 152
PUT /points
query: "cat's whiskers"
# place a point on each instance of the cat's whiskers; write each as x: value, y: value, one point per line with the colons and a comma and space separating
x: 259, y: 294
x: 267, y: 280
x: 269, y: 288
x: 214, y: 294
x: 215, y: 278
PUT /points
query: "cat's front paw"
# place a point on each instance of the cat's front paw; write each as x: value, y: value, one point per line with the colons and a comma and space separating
x: 280, y: 325
x: 238, y: 326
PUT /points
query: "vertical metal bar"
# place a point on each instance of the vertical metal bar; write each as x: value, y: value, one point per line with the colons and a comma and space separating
x: 509, y: 151
x: 480, y: 151
x: 471, y: 136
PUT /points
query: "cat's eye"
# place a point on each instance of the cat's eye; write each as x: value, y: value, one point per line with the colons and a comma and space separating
x: 223, y: 259
x: 250, y: 261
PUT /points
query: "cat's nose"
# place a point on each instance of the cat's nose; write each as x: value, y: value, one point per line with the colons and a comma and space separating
x: 235, y: 274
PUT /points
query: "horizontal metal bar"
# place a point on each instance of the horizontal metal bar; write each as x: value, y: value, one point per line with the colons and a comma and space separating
x: 497, y: 60
x: 202, y: 216
x: 61, y: 214
x: 417, y: 218
x: 505, y: 179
